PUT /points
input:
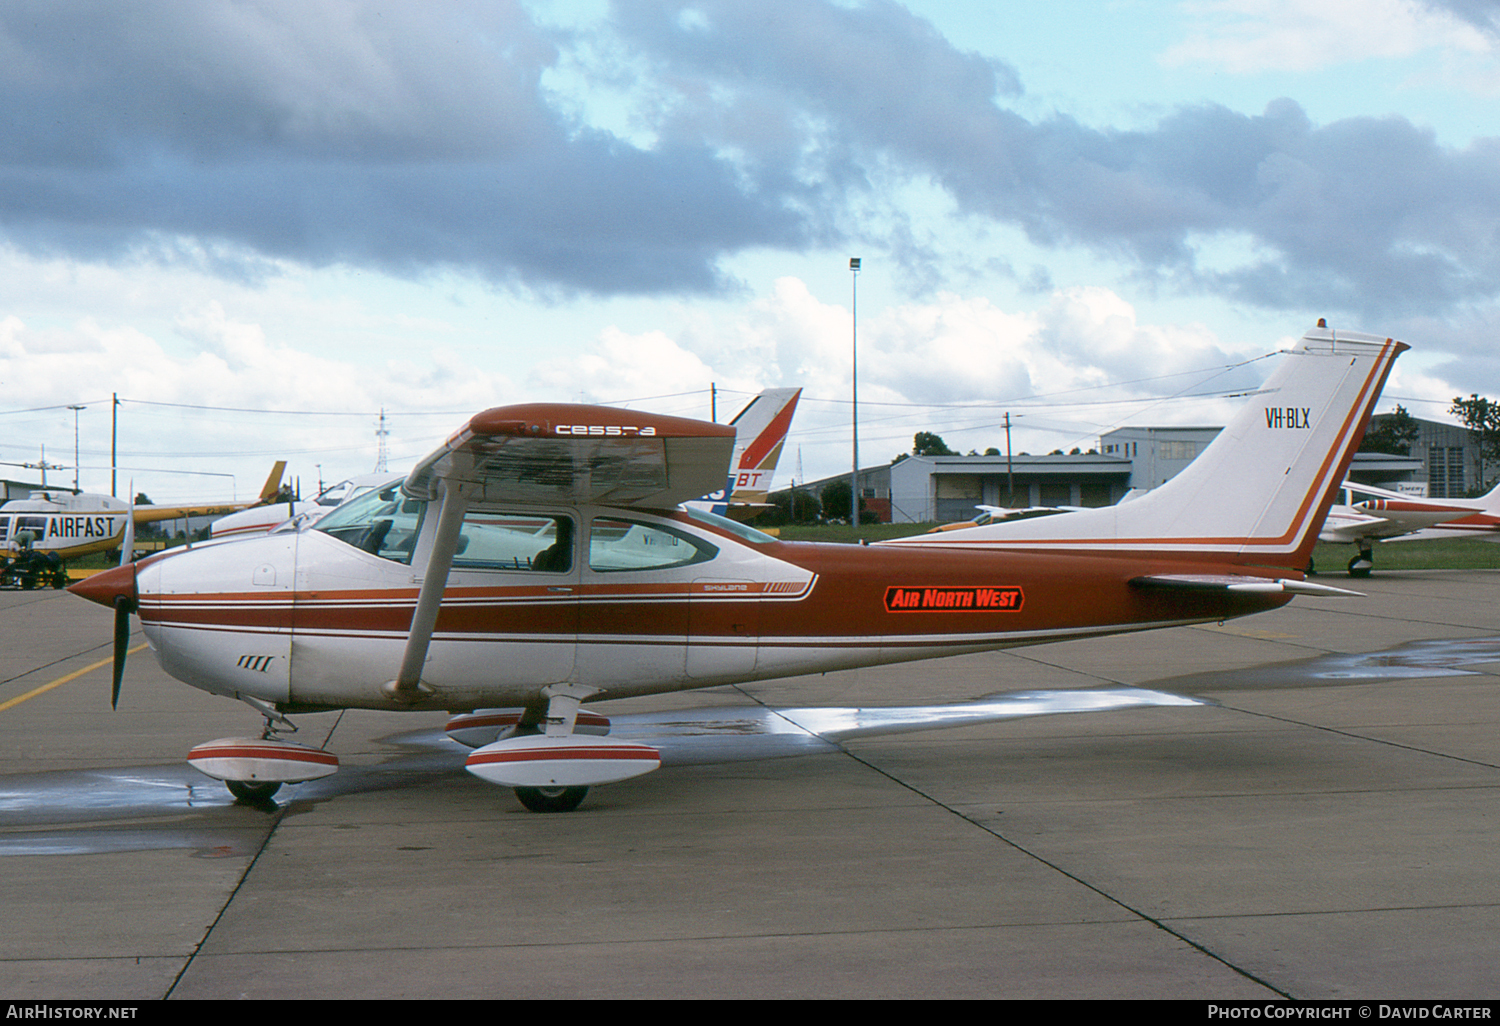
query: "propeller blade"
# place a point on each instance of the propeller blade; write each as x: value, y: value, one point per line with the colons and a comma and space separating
x: 124, y: 606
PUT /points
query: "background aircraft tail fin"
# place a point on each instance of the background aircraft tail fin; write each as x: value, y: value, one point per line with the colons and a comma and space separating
x: 759, y: 432
x: 273, y: 482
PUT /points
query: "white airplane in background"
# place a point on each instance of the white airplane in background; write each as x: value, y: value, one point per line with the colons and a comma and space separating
x: 261, y: 519
x: 539, y: 559
x: 1367, y: 514
x: 70, y: 525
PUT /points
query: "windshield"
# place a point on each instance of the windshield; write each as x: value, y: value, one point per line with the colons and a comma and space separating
x: 383, y: 523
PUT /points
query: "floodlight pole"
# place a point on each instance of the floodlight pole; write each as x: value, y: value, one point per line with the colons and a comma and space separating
x: 854, y: 389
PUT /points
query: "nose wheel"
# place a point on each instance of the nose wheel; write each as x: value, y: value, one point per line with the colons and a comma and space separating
x: 255, y: 768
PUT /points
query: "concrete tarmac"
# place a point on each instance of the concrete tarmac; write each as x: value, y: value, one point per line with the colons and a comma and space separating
x: 1328, y: 828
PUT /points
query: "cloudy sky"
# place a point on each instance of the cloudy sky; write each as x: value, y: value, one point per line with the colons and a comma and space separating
x: 259, y: 223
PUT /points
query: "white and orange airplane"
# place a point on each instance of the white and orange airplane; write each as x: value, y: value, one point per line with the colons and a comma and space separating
x: 539, y: 559
x: 1366, y: 514
x: 1482, y: 524
x: 70, y: 526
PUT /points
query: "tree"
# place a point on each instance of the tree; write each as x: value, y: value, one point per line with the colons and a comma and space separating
x: 835, y: 496
x: 1392, y: 434
x: 1482, y: 417
x: 925, y: 443
x: 798, y: 506
x: 803, y: 507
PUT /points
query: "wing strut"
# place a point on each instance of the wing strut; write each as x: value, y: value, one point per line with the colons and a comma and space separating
x: 408, y: 684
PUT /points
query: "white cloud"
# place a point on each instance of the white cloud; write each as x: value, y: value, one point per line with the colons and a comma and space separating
x: 953, y: 365
x: 619, y: 366
x: 1245, y: 36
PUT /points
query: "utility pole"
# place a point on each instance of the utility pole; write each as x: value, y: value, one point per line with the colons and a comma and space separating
x: 1010, y: 469
x: 854, y: 389
x: 75, y: 410
x: 114, y: 436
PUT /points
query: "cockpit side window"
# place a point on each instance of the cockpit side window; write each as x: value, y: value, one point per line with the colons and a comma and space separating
x: 383, y: 523
x: 540, y: 542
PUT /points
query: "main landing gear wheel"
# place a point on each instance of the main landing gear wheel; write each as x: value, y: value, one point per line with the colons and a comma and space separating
x: 1362, y: 564
x: 252, y: 790
x: 551, y: 799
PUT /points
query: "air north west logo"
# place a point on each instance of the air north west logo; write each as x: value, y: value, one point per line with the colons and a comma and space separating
x: 1001, y: 599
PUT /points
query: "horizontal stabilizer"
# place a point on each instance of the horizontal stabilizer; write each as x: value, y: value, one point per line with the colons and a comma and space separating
x: 1237, y: 582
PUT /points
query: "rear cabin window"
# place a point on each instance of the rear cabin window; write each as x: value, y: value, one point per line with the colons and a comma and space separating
x: 616, y: 544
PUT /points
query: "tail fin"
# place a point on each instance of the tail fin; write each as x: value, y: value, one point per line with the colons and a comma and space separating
x: 1489, y: 501
x: 759, y: 432
x: 273, y: 482
x: 1259, y: 492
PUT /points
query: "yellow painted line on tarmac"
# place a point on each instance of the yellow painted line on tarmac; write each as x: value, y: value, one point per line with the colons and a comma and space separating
x: 59, y: 682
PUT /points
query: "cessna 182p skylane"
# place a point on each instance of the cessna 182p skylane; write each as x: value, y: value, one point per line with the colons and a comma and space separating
x: 538, y: 560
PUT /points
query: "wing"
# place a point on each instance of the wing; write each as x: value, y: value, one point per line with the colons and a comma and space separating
x: 729, y: 734
x: 557, y: 453
x: 1385, y: 518
x: 1347, y: 524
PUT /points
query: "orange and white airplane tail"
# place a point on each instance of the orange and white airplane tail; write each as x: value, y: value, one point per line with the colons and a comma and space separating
x: 759, y: 434
x: 1258, y: 494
